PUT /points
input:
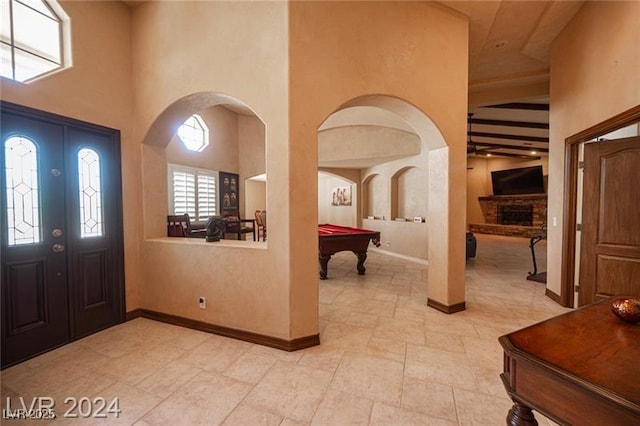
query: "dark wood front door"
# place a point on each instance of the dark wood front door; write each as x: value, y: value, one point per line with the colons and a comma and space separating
x: 61, y: 248
x: 610, y: 246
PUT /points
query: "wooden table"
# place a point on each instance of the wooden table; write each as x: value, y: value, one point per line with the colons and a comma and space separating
x: 580, y: 368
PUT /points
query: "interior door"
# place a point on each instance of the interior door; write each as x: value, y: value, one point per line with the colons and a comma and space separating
x: 62, y: 256
x: 610, y: 246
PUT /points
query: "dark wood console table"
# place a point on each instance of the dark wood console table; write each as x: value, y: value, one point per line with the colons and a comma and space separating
x: 580, y: 368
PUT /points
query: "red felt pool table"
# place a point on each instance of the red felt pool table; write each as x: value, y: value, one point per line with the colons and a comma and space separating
x: 335, y: 238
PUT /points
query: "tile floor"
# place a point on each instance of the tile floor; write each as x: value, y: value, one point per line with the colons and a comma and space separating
x: 385, y: 358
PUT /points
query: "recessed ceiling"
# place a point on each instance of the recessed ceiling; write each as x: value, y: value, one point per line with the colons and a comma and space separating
x: 510, y: 41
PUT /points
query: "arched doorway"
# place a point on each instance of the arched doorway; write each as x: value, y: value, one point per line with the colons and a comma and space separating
x: 384, y: 136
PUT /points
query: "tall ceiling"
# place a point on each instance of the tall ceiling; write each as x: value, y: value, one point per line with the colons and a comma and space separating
x: 509, y: 55
x: 509, y: 60
x: 510, y: 41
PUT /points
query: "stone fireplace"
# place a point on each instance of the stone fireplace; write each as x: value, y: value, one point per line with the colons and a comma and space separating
x: 515, y: 214
x: 512, y: 215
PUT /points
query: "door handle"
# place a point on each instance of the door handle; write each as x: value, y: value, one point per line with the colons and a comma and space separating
x: 57, y: 248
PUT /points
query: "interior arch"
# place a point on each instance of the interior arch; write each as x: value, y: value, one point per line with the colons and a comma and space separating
x: 430, y: 163
x: 237, y: 145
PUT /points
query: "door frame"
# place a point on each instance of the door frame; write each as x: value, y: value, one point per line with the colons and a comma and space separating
x: 572, y: 144
x: 119, y: 273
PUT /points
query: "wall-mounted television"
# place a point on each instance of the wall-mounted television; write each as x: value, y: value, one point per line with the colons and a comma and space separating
x: 526, y: 180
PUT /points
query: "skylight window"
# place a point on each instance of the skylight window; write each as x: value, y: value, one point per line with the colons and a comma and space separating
x: 31, y: 38
x: 194, y: 134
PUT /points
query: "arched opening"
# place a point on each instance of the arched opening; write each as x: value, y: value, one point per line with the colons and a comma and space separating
x: 406, y: 183
x: 235, y: 147
x: 401, y: 159
x: 371, y: 189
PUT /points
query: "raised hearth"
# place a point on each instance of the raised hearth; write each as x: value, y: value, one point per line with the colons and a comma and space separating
x: 512, y: 215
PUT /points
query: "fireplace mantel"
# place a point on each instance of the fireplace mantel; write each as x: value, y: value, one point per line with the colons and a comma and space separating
x: 513, y: 197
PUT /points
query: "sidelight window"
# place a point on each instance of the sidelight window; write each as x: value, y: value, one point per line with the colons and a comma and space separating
x: 91, y: 221
x: 23, y: 193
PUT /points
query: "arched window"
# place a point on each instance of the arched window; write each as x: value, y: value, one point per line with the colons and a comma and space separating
x: 90, y: 187
x: 23, y: 193
x: 194, y: 133
x: 31, y: 38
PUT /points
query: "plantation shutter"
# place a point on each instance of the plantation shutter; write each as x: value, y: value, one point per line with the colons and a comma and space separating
x: 206, y: 196
x: 192, y: 191
x: 184, y: 192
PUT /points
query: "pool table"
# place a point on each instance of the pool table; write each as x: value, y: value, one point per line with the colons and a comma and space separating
x: 335, y: 238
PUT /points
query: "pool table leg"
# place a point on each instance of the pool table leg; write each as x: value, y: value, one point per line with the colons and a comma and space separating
x: 362, y: 256
x: 324, y: 260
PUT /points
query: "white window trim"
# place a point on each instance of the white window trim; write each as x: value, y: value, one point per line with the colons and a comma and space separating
x: 171, y: 167
x: 205, y: 133
x: 66, y: 60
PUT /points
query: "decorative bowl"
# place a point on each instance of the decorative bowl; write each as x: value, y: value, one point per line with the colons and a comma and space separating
x: 626, y: 309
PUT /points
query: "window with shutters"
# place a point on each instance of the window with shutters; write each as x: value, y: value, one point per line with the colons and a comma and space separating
x: 192, y: 191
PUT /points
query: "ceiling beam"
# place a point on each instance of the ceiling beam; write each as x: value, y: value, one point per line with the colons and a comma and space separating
x: 526, y: 124
x: 512, y: 137
x: 521, y: 105
x: 505, y: 146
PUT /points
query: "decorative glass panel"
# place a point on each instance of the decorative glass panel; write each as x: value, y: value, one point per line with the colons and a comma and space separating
x: 91, y: 222
x: 23, y: 194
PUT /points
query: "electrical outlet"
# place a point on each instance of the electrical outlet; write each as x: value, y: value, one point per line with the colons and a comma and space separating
x: 202, y: 302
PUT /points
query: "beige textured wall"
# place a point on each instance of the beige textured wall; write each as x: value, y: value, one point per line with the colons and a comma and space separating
x: 187, y: 56
x: 356, y: 144
x: 251, y: 156
x: 413, y: 51
x: 395, y: 189
x: 594, y: 76
x: 97, y: 89
x: 337, y: 215
x: 255, y: 197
